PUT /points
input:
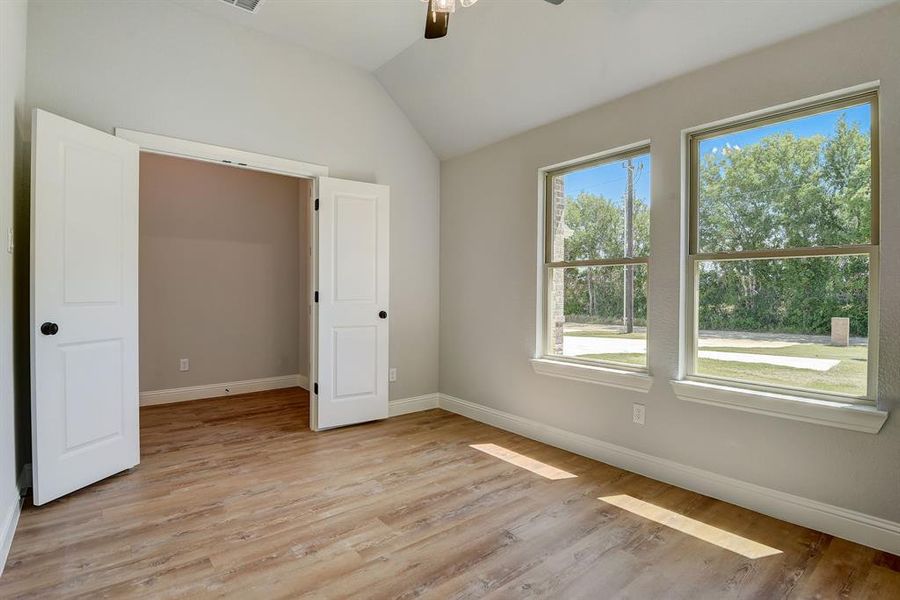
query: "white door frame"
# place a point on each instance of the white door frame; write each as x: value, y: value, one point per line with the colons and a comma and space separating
x: 160, y: 144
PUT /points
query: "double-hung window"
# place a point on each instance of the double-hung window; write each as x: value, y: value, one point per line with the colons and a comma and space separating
x: 783, y: 255
x: 596, y: 253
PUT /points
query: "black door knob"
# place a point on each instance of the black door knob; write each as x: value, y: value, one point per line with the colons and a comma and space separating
x: 49, y: 328
x: 382, y: 314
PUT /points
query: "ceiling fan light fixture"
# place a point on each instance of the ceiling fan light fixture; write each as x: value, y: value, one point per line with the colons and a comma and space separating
x: 437, y: 18
x: 443, y: 6
x: 436, y: 23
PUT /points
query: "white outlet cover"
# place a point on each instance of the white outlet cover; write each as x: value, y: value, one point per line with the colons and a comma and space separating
x: 638, y: 413
x: 392, y: 374
x: 184, y: 365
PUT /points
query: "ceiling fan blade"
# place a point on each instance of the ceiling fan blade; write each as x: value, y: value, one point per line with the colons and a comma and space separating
x: 556, y: 2
x: 436, y: 23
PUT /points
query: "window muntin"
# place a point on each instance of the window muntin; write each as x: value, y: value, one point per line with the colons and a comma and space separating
x: 783, y: 261
x: 597, y: 247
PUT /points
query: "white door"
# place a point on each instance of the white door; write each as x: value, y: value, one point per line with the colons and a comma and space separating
x: 84, y: 312
x: 353, y: 312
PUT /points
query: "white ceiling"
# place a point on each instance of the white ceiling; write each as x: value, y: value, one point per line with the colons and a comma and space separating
x: 364, y: 33
x: 511, y: 65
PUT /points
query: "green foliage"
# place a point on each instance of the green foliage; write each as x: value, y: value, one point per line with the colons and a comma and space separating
x: 598, y: 227
x: 782, y: 192
x: 597, y: 224
x: 786, y: 192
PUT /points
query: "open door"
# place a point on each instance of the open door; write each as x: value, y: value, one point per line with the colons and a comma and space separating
x: 84, y: 311
x: 353, y: 290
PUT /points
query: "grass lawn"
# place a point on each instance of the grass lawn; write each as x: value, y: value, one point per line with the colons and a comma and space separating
x: 847, y: 377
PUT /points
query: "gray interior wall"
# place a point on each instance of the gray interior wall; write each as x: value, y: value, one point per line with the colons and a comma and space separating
x: 13, y: 18
x: 220, y: 273
x: 488, y: 273
x: 163, y: 68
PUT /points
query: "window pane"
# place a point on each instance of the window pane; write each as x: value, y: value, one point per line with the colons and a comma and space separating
x: 797, y: 322
x: 590, y: 313
x: 801, y: 182
x: 602, y: 211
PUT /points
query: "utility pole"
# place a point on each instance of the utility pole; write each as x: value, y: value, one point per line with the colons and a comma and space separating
x: 629, y: 248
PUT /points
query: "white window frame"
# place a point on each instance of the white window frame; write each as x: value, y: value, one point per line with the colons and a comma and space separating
x: 634, y: 378
x: 833, y: 409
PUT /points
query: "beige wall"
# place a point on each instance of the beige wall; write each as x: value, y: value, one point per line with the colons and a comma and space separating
x: 13, y: 15
x: 488, y: 272
x: 220, y: 273
x: 164, y: 68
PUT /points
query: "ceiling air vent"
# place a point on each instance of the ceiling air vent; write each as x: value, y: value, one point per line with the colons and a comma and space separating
x: 248, y: 5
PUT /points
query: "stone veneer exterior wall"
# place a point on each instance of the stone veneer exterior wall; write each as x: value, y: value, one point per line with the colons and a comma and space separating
x: 557, y: 289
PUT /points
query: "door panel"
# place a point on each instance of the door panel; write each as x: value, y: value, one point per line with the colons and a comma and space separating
x: 92, y: 189
x: 355, y: 248
x: 93, y: 393
x: 84, y: 280
x: 355, y: 362
x: 353, y: 263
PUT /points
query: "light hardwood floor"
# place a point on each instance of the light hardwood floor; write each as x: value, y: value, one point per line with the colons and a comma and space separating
x: 236, y: 497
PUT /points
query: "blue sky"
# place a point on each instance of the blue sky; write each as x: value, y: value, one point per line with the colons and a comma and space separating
x: 610, y: 180
x: 822, y: 123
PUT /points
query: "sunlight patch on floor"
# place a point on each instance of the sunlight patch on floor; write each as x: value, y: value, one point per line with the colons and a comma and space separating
x: 692, y: 527
x: 522, y: 461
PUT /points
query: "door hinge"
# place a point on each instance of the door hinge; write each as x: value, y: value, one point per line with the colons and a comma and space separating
x: 317, y: 296
x: 317, y: 204
x: 316, y: 389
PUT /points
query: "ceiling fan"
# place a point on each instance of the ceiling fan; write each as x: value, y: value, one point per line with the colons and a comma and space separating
x: 438, y: 17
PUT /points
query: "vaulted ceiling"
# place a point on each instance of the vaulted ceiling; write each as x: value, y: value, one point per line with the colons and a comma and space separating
x: 511, y: 65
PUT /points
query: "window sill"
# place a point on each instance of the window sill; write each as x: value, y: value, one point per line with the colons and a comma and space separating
x: 844, y: 415
x: 604, y: 375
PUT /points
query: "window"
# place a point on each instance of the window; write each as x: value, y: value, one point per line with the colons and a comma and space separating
x: 597, y: 248
x: 783, y: 251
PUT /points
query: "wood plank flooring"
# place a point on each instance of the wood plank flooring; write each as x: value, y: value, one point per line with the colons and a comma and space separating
x: 236, y: 498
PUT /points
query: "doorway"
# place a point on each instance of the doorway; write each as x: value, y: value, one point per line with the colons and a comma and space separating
x: 168, y: 147
x: 224, y: 257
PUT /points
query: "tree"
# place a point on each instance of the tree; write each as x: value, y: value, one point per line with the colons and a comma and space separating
x: 786, y: 191
x: 597, y: 227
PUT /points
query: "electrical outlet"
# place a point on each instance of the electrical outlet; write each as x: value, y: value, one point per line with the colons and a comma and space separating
x: 638, y: 413
x: 10, y: 241
x: 392, y: 374
x: 184, y: 365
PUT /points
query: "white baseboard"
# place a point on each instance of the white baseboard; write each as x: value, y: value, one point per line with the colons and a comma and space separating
x: 852, y: 525
x: 8, y: 528
x: 216, y: 390
x: 415, y: 404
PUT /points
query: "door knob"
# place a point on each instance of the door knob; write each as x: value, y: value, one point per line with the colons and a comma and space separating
x: 49, y: 328
x: 382, y: 314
